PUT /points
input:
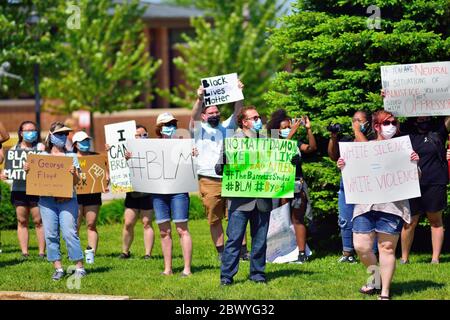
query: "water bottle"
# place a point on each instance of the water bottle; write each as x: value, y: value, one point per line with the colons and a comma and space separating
x: 89, y: 252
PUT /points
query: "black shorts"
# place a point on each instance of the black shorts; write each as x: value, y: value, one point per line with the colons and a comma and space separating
x: 433, y: 199
x: 94, y: 199
x: 20, y: 198
x: 140, y: 203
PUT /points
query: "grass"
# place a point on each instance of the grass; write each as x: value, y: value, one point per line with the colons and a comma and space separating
x: 321, y: 278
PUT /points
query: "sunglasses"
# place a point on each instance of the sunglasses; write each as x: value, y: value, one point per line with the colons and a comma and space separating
x: 255, y: 118
x: 144, y: 135
x: 387, y: 122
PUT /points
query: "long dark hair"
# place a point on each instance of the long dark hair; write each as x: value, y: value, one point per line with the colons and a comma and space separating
x: 48, y: 144
x: 20, y: 131
x: 277, y: 118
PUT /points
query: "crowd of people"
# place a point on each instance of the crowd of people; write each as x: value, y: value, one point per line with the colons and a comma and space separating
x: 370, y: 231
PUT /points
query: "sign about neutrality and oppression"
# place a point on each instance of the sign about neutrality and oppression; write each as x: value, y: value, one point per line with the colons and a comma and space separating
x: 222, y: 89
x: 421, y: 89
x: 379, y: 171
x: 162, y: 166
x: 259, y: 168
x: 49, y: 176
x: 14, y: 166
x: 117, y: 135
x: 93, y: 174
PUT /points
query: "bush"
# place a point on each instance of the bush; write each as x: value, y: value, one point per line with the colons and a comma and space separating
x: 7, y: 211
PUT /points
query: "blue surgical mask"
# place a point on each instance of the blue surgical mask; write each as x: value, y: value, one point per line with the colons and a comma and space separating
x: 363, y: 127
x: 168, y: 130
x: 285, y: 132
x: 84, y: 146
x: 257, y: 125
x: 59, y: 140
x: 30, y: 136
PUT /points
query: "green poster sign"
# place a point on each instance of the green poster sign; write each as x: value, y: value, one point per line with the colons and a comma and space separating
x: 259, y: 168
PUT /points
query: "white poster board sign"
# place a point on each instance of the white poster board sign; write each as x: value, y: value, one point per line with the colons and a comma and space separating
x: 162, y: 166
x: 222, y: 89
x: 281, y: 243
x: 117, y: 135
x: 379, y: 171
x: 421, y: 89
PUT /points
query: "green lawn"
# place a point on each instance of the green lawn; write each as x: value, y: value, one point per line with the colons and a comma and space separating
x: 321, y: 278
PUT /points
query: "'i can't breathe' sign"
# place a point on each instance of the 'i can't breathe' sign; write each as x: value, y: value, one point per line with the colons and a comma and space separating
x: 222, y: 89
x: 379, y: 171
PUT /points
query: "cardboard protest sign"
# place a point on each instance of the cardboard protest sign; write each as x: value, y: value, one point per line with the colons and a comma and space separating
x: 222, y: 89
x: 93, y: 174
x: 162, y: 166
x: 379, y: 171
x: 281, y: 241
x: 117, y: 135
x: 14, y: 160
x: 421, y: 89
x: 49, y: 176
x: 259, y: 168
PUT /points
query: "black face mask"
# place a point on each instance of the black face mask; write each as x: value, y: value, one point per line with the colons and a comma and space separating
x: 424, y: 126
x: 214, y: 121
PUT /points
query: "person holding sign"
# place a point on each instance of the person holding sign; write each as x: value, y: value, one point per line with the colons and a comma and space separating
x: 383, y: 221
x: 61, y: 213
x: 172, y: 207
x: 242, y: 210
x: 362, y: 132
x: 209, y: 134
x: 137, y: 203
x: 428, y: 138
x: 26, y: 204
x: 88, y: 204
x: 300, y: 204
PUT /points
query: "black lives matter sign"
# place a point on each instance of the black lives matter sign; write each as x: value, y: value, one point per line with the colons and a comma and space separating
x: 14, y: 166
x: 222, y: 89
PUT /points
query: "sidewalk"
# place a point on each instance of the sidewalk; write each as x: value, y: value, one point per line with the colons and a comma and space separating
x: 18, y: 295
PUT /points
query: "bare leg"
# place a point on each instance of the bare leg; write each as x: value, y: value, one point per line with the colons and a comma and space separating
x: 437, y: 233
x: 128, y: 229
x: 149, y: 234
x: 186, y: 245
x: 217, y: 233
x: 363, y: 243
x: 298, y: 220
x: 39, y: 229
x: 166, y: 244
x: 80, y: 218
x: 23, y: 214
x: 408, y: 236
x: 386, y: 247
x: 91, y: 213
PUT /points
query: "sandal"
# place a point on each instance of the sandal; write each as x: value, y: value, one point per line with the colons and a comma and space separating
x: 365, y: 289
x: 384, y: 298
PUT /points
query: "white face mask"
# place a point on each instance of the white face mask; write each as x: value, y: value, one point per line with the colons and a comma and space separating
x: 388, y: 131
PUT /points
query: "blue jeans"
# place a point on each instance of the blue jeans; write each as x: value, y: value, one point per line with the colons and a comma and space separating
x: 379, y: 222
x: 237, y: 223
x: 56, y: 216
x: 171, y: 206
x: 345, y: 220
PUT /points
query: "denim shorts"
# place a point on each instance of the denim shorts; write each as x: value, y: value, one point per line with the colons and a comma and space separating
x: 173, y: 207
x: 377, y: 221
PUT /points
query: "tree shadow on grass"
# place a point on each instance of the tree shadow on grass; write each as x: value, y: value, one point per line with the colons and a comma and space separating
x: 11, y: 262
x: 400, y: 288
x: 272, y: 275
x: 427, y: 260
x: 133, y: 256
x: 98, y: 269
x: 197, y: 268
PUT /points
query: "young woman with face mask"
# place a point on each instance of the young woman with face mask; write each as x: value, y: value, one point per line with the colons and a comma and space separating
x: 173, y: 207
x: 282, y: 125
x: 428, y: 138
x: 88, y: 204
x: 382, y: 221
x: 61, y: 213
x: 27, y: 204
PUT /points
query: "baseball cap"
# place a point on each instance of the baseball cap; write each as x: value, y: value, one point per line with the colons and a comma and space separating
x: 165, y: 118
x: 80, y: 136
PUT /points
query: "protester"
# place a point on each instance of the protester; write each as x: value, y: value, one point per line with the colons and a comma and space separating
x: 428, y: 139
x: 300, y: 204
x: 27, y: 204
x: 384, y: 220
x: 137, y: 204
x: 88, y: 204
x: 362, y: 132
x: 208, y: 134
x: 242, y: 210
x: 173, y: 207
x: 61, y: 213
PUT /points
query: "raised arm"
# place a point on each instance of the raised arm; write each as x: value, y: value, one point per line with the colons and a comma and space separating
x: 312, y: 145
x: 333, y: 146
x: 238, y: 105
x: 197, y: 107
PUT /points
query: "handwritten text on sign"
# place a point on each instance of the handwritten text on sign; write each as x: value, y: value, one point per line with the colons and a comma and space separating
x: 417, y: 89
x: 117, y: 135
x: 222, y: 89
x: 379, y: 171
x: 14, y: 166
x: 162, y: 166
x: 93, y: 174
x: 50, y: 176
x: 259, y: 168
